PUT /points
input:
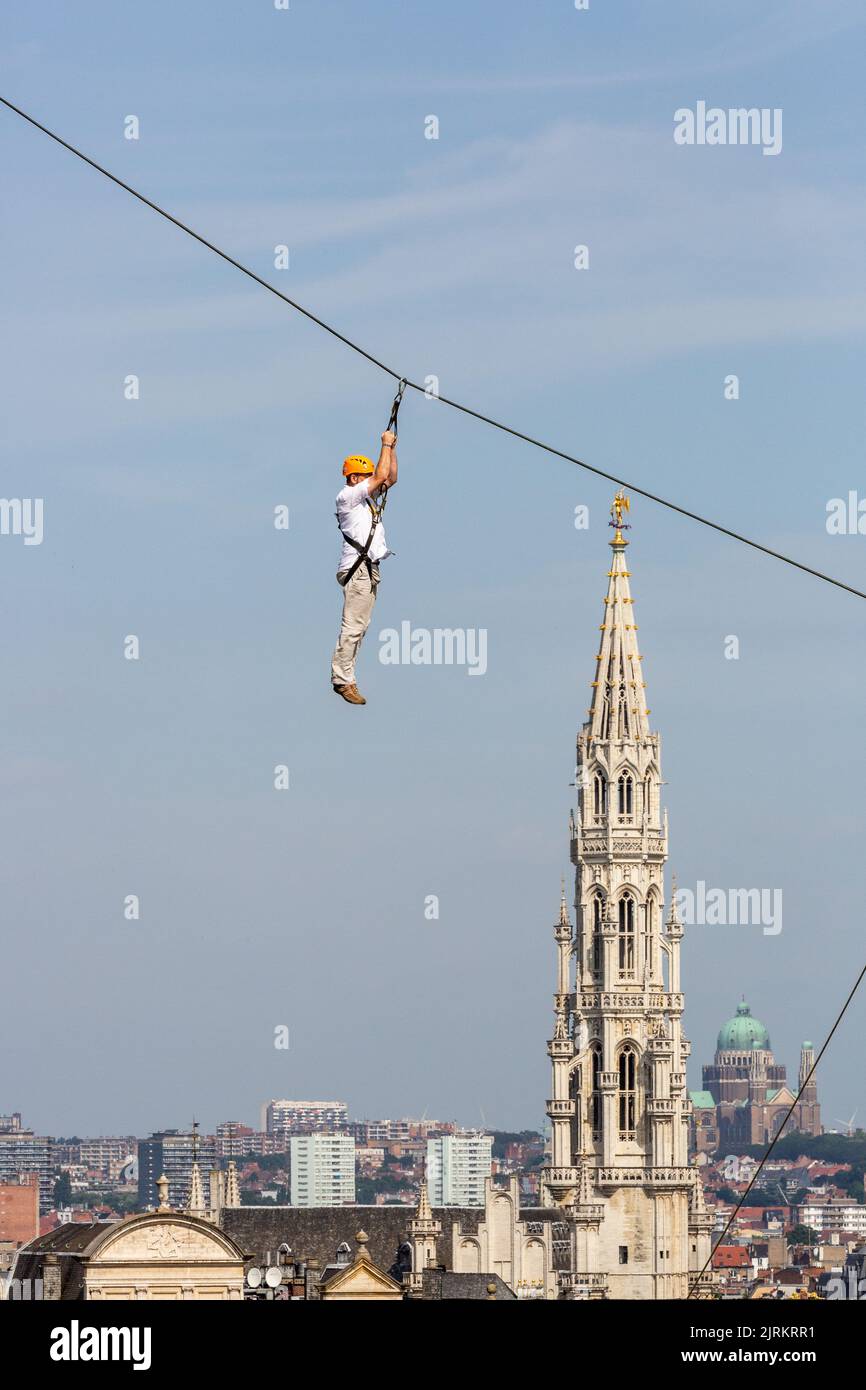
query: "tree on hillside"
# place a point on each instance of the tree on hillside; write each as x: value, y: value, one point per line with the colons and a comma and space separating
x: 62, y: 1191
x: 803, y: 1235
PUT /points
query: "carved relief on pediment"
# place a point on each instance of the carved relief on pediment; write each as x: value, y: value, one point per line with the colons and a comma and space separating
x: 162, y: 1241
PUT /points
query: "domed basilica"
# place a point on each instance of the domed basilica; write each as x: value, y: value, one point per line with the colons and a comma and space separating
x: 745, y: 1095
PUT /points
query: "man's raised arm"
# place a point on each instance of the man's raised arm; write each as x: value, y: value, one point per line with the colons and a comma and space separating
x: 385, y: 474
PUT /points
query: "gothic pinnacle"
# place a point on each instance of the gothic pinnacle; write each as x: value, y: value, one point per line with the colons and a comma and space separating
x: 564, y: 919
x: 619, y: 709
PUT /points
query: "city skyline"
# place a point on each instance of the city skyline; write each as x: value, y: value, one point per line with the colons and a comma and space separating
x: 253, y: 1118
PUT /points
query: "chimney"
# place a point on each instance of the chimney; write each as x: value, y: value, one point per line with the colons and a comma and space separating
x: 312, y: 1279
x: 51, y: 1279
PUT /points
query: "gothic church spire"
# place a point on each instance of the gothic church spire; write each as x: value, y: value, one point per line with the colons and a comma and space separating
x: 619, y: 709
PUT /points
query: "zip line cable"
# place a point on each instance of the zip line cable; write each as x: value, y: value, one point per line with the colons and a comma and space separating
x: 775, y: 1141
x: 444, y: 400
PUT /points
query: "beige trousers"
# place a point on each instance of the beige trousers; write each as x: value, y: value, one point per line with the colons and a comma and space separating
x: 359, y: 596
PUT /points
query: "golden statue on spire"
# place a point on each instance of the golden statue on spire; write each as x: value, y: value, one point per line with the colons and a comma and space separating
x: 621, y: 503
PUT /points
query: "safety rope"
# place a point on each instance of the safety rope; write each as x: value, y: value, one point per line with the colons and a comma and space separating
x: 395, y: 408
x: 392, y: 426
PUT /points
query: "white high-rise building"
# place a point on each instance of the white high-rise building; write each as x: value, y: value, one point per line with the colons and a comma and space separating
x: 619, y: 1110
x: 457, y: 1167
x: 322, y: 1170
x: 287, y: 1117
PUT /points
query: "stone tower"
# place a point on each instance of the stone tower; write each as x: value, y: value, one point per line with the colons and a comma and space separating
x: 424, y: 1232
x: 620, y: 1111
x: 808, y: 1088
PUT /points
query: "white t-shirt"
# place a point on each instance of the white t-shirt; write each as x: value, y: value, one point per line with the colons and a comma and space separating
x: 354, y: 517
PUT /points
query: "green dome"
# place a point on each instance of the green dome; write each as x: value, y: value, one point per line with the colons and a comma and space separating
x: 743, y: 1032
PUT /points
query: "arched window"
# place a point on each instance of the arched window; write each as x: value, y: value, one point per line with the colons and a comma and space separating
x: 627, y: 1091
x: 625, y: 789
x: 626, y: 934
x: 595, y: 1095
x: 596, y: 956
x: 665, y: 962
x: 648, y: 797
x: 649, y: 949
x: 575, y: 1091
x: 599, y: 795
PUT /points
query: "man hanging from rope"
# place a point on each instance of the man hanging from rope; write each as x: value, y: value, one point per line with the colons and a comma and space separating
x: 360, y: 505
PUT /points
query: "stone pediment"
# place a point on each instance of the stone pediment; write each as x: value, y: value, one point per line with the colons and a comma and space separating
x: 362, y: 1280
x: 162, y: 1240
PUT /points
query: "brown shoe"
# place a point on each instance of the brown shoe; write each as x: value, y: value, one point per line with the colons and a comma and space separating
x: 350, y: 693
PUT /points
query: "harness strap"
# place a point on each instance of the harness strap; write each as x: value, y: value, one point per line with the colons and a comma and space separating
x: 392, y: 425
x: 363, y: 550
x: 395, y: 408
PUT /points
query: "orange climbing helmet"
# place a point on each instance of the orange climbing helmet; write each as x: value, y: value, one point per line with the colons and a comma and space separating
x: 357, y: 463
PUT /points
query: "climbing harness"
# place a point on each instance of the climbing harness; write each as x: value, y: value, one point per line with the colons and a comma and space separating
x: 376, y: 512
x: 363, y: 556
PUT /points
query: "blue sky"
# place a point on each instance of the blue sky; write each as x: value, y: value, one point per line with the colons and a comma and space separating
x: 451, y: 257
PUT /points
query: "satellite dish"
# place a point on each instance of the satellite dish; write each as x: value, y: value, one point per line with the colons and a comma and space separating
x: 254, y: 1277
x: 273, y: 1277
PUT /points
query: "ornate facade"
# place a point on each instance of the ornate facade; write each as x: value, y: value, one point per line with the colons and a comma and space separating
x: 162, y: 1255
x: 619, y: 1110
